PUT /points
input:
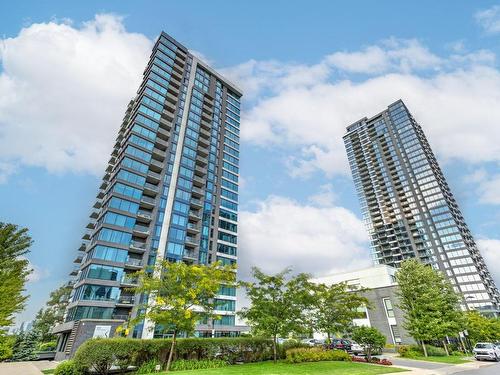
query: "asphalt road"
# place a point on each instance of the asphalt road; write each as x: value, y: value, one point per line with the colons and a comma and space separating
x: 494, y: 369
x: 418, y: 364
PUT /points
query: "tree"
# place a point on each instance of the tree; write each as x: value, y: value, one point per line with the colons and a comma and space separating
x: 481, y: 328
x: 53, y: 313
x: 14, y: 270
x: 429, y: 303
x: 25, y: 346
x: 180, y: 295
x: 279, y: 306
x: 370, y: 339
x: 335, y: 307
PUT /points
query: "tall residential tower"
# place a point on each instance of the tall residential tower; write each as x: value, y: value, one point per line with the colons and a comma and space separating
x: 170, y: 190
x: 408, y: 207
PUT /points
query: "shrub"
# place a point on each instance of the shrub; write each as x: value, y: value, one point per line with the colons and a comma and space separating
x: 6, y: 345
x: 290, y: 344
x: 47, y: 346
x: 96, y: 355
x: 148, y: 367
x: 189, y: 364
x: 434, y: 351
x: 99, y: 354
x: 300, y: 355
x: 67, y: 368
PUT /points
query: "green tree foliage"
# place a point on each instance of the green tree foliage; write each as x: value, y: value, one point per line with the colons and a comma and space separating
x: 14, y: 270
x: 335, y: 307
x: 52, y: 314
x: 279, y: 305
x: 6, y: 345
x: 429, y: 302
x: 370, y: 339
x: 481, y: 328
x: 180, y: 295
x: 25, y: 346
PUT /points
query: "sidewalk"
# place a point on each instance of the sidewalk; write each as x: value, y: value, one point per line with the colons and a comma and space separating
x: 25, y: 368
x: 418, y: 367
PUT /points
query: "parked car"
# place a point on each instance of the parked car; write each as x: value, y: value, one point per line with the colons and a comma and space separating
x: 311, y: 342
x: 356, y: 348
x: 486, y: 350
x: 340, y: 344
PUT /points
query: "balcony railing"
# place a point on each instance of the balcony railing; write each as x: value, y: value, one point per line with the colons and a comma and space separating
x: 129, y: 300
x: 134, y: 262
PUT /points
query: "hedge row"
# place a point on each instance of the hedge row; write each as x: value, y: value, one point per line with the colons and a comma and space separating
x: 100, y: 354
x: 300, y: 355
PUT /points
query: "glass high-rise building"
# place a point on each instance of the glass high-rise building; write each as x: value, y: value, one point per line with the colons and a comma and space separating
x: 408, y: 207
x: 170, y: 191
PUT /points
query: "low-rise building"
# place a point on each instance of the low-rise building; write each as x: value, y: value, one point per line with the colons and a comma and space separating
x: 381, y: 287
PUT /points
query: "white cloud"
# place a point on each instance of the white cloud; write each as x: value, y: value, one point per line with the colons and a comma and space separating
x: 489, y: 19
x: 393, y: 55
x: 325, y: 197
x: 490, y: 250
x: 488, y: 188
x: 318, y: 240
x: 456, y: 99
x: 63, y: 92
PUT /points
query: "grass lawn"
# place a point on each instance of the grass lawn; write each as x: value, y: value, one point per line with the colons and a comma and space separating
x: 282, y: 368
x: 452, y: 359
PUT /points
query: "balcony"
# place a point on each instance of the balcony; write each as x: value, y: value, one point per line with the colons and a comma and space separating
x: 196, y: 203
x: 133, y: 263
x: 137, y: 246
x: 79, y: 258
x: 83, y: 246
x: 154, y: 177
x: 201, y: 160
x: 141, y: 231
x: 94, y: 214
x: 204, y: 133
x: 147, y: 202
x: 197, y: 192
x: 193, y: 228
x: 159, y: 154
x: 200, y: 171
x: 198, y: 181
x: 191, y: 241
x: 163, y: 134
x: 144, y: 216
x: 150, y: 188
x: 161, y: 144
x: 120, y: 317
x: 194, y: 215
x: 156, y: 165
x: 87, y: 234
x: 129, y: 281
x: 74, y: 271
x: 126, y: 300
x: 189, y: 255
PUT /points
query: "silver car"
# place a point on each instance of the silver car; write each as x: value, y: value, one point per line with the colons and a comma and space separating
x: 486, y: 350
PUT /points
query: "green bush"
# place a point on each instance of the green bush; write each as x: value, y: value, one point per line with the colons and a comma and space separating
x: 290, y: 344
x: 100, y: 354
x: 148, y: 367
x: 68, y: 368
x: 189, y: 364
x: 97, y: 355
x: 300, y: 355
x: 47, y: 346
x: 412, y: 351
x: 6, y: 345
x: 435, y: 351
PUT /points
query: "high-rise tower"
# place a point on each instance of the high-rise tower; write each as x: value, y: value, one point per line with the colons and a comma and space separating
x: 408, y: 207
x: 170, y: 190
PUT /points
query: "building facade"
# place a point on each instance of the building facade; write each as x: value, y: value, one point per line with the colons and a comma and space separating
x: 380, y: 287
x: 170, y: 191
x: 408, y: 207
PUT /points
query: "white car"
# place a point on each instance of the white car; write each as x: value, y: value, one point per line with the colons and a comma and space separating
x: 310, y: 342
x: 357, y: 349
x: 486, y: 350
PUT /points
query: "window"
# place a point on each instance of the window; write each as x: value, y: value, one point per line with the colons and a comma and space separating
x: 141, y: 142
x: 131, y: 150
x: 131, y: 177
x: 109, y: 253
x: 123, y: 205
x: 228, y: 215
x: 225, y: 320
x: 134, y: 164
x: 97, y: 271
x: 226, y: 261
x: 227, y: 290
x: 228, y: 226
x: 227, y: 237
x: 175, y: 248
x: 224, y: 305
x: 97, y: 293
x: 229, y: 194
x: 226, y: 249
x: 227, y: 204
x: 119, y: 220
x: 116, y: 236
x: 127, y: 190
x: 388, y: 307
x: 89, y: 312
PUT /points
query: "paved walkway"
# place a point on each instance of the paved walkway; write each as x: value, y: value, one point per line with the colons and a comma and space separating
x: 25, y: 368
x: 435, y: 368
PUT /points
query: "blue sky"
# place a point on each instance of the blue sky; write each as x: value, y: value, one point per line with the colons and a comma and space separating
x: 308, y: 69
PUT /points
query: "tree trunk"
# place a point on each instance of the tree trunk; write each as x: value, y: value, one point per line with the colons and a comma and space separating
x: 171, y: 354
x: 368, y: 353
x: 446, y: 347
x: 329, y: 338
x: 424, y: 348
x: 274, y: 349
